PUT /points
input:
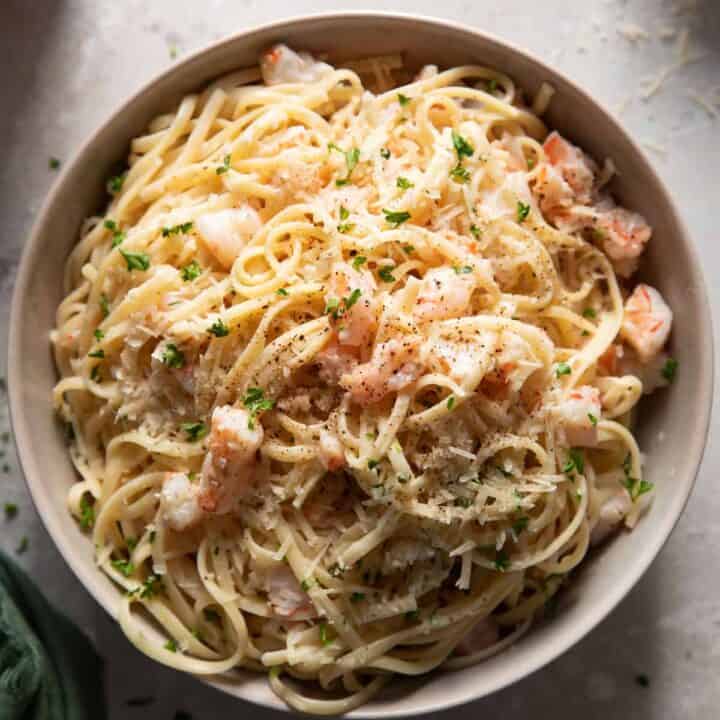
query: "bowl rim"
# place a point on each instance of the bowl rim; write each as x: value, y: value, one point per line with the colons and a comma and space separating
x: 595, y: 613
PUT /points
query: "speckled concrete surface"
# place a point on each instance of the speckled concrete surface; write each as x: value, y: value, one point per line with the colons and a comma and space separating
x: 66, y: 64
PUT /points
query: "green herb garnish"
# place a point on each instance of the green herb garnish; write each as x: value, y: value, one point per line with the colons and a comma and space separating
x: 562, y: 369
x: 191, y: 271
x: 194, y: 430
x: 462, y: 147
x: 523, y: 211
x: 224, y: 167
x: 256, y: 402
x: 396, y: 217
x: 669, y: 370
x: 385, y: 273
x: 136, y: 261
x: 181, y: 229
x: 172, y: 357
x: 219, y: 328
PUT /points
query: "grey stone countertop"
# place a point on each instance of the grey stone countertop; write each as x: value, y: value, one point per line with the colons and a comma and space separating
x: 66, y: 64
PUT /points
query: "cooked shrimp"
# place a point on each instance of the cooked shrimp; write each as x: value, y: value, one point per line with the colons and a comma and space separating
x: 484, y: 634
x: 335, y: 361
x: 646, y: 322
x: 578, y: 415
x: 393, y: 366
x: 444, y: 294
x: 280, y: 64
x: 356, y: 324
x: 225, y: 233
x: 286, y: 596
x: 554, y: 194
x: 331, y: 452
x: 612, y: 510
x: 577, y: 169
x: 179, y: 501
x: 623, y: 235
x: 228, y: 469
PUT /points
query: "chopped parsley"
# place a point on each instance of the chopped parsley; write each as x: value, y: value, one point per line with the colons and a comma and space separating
x: 181, y: 229
x: 492, y: 85
x: 462, y: 270
x: 403, y: 183
x: 562, y: 369
x: 408, y: 249
x: 520, y: 524
x: 462, y: 147
x: 104, y: 305
x: 191, y: 271
x: 124, y: 566
x: 97, y: 353
x: 332, y: 307
x: 151, y: 587
x: 87, y: 514
x: 306, y: 584
x: 351, y: 160
x: 589, y: 313
x: 384, y: 153
x: 325, y: 638
x: 357, y: 597
x: 224, y: 167
x: 23, y: 545
x: 450, y: 402
x: 523, y: 211
x: 281, y: 291
x: 403, y: 100
x: 460, y: 174
x: 95, y: 373
x: 172, y: 357
x: 475, y: 231
x: 358, y: 261
x: 592, y: 419
x: 256, y: 402
x: 194, y: 430
x: 372, y: 464
x: 136, y: 261
x: 99, y: 334
x: 575, y: 461
x: 635, y: 487
x: 463, y: 502
x: 385, y: 273
x: 171, y: 645
x: 11, y: 510
x: 502, y: 562
x: 352, y: 298
x: 669, y: 370
x: 115, y: 183
x: 344, y: 213
x: 219, y: 328
x: 53, y: 163
x: 396, y: 217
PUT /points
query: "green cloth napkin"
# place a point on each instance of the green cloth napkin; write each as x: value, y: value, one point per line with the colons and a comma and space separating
x: 48, y: 668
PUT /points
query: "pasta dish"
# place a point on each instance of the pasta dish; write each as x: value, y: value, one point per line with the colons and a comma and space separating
x: 349, y: 365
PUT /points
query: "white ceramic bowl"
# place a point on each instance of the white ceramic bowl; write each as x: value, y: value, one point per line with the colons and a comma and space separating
x: 672, y: 425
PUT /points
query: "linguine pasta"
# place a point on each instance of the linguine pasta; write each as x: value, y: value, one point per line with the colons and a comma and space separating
x: 350, y: 373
